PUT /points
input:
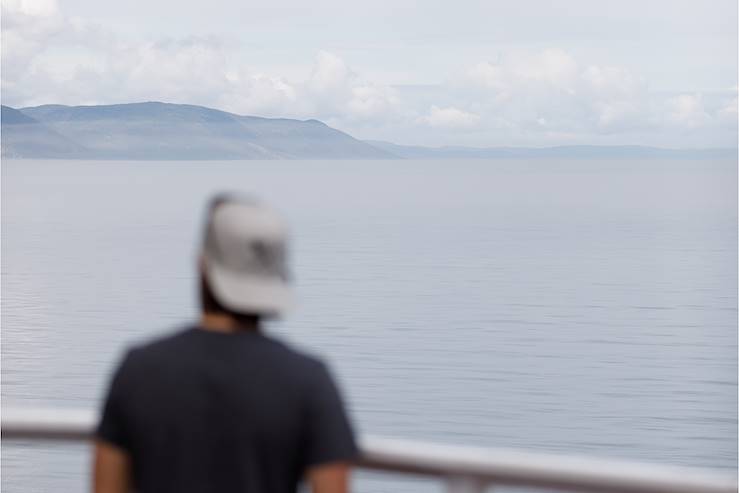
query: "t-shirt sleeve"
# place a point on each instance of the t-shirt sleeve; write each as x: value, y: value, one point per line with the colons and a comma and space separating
x: 329, y: 436
x: 112, y: 427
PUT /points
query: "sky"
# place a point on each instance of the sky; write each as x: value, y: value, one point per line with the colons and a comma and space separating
x: 484, y: 73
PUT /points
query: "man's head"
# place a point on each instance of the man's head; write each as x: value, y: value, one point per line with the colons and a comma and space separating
x: 244, y: 259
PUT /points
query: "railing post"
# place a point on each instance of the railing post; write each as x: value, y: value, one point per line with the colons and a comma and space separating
x: 464, y: 484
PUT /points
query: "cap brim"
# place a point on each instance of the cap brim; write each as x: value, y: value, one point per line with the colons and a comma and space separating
x: 248, y: 294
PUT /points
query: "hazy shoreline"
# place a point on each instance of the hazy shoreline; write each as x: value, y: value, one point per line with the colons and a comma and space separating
x: 174, y: 132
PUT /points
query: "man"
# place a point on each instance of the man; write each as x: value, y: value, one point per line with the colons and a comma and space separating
x: 221, y: 407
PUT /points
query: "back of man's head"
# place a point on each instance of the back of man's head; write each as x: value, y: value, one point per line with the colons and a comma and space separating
x: 244, y: 259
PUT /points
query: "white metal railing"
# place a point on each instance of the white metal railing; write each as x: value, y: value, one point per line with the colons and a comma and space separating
x: 465, y: 469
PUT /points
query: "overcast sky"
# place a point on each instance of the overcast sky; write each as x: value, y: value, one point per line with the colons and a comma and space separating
x: 485, y: 73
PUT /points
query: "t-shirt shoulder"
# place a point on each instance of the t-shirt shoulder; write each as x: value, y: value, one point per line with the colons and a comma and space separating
x: 161, y: 342
x: 190, y: 337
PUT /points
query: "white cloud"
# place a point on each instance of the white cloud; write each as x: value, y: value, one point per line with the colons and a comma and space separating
x: 616, y: 97
x: 526, y: 89
x: 489, y: 75
x: 43, y: 8
x: 610, y: 114
x: 258, y: 94
x: 522, y: 98
x: 27, y: 28
x: 551, y: 67
x: 686, y: 110
x: 44, y: 60
x: 370, y: 101
x: 335, y: 91
x: 729, y: 111
x: 611, y: 81
x: 449, y: 118
x: 330, y: 73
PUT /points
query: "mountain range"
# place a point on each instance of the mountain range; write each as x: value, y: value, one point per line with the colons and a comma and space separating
x: 557, y: 152
x: 164, y: 131
x: 169, y: 131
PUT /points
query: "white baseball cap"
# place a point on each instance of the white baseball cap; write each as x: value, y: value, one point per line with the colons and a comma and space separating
x: 245, y: 257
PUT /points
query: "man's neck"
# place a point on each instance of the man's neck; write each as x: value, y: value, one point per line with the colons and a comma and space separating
x: 222, y: 322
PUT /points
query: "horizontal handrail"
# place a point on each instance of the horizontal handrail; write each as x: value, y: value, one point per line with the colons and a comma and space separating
x: 474, y: 467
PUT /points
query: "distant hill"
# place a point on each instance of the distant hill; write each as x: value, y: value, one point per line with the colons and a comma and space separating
x: 561, y: 152
x: 23, y: 136
x: 170, y: 131
x: 164, y: 131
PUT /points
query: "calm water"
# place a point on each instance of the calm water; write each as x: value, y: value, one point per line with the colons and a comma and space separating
x: 579, y: 307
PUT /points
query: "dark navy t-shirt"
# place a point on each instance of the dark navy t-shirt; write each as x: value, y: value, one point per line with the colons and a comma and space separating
x: 204, y: 411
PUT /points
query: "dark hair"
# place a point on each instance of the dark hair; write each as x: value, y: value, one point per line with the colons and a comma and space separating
x: 210, y: 304
x: 224, y: 198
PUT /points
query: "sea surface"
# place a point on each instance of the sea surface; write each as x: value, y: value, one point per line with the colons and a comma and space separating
x: 580, y: 307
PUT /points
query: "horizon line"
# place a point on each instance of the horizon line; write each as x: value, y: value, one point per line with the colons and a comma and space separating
x: 380, y: 141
